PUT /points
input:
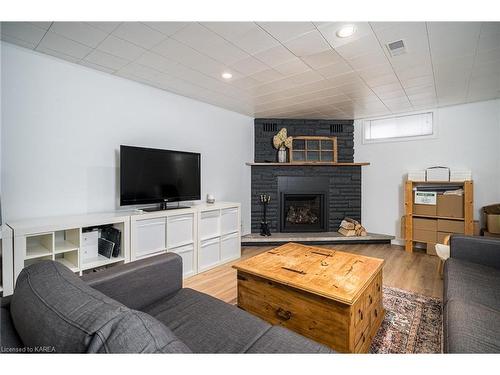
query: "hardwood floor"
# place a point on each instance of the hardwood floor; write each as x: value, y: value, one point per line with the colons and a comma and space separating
x: 415, y: 272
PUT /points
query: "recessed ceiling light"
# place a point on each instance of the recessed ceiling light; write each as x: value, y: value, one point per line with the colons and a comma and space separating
x: 346, y: 31
x: 227, y: 75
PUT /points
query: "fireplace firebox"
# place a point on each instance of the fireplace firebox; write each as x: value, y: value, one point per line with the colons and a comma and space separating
x: 303, y: 204
x: 303, y: 213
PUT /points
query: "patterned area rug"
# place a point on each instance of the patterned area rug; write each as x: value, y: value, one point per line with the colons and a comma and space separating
x: 412, y: 324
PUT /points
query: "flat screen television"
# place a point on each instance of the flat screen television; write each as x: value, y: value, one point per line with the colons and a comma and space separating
x: 149, y: 175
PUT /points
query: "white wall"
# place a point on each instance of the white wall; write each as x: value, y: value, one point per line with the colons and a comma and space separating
x: 468, y: 137
x: 63, y: 124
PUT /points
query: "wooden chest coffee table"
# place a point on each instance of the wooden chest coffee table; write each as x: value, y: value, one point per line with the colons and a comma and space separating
x: 330, y: 296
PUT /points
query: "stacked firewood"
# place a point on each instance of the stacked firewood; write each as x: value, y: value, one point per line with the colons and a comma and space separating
x: 350, y: 227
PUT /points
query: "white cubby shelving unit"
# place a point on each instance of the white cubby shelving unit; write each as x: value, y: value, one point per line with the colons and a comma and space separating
x: 6, y: 261
x: 204, y: 235
x: 60, y: 239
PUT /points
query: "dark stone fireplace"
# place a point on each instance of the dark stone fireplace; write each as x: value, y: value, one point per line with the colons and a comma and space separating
x: 321, y: 196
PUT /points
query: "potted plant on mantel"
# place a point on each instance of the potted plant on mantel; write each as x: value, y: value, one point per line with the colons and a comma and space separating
x: 281, y: 142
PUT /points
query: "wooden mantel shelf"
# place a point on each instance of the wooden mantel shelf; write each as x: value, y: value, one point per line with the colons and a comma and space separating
x: 310, y: 164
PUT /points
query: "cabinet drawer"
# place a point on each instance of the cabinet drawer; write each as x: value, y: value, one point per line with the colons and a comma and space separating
x: 188, y: 259
x: 150, y: 236
x: 209, y: 254
x: 360, y: 318
x: 180, y: 230
x: 229, y: 220
x: 230, y: 247
x: 209, y: 224
x: 375, y: 313
x: 362, y: 339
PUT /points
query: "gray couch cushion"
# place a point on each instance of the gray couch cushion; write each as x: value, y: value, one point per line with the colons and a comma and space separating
x: 281, y: 340
x: 471, y: 328
x: 9, y: 339
x: 52, y: 307
x: 208, y: 325
x: 471, y: 282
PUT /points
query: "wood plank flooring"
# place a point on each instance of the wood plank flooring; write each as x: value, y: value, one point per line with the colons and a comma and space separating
x: 416, y: 272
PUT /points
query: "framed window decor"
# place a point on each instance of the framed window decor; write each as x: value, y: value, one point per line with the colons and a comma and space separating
x: 314, y: 150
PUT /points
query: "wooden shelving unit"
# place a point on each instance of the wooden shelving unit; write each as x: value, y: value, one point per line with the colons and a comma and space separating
x: 468, y: 218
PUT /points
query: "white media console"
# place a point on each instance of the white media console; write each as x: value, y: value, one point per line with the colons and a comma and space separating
x: 204, y: 235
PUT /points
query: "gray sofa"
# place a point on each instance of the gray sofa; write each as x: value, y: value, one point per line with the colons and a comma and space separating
x: 132, y: 308
x: 472, y: 296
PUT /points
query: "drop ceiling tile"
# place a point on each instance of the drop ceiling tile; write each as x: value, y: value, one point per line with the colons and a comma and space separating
x: 17, y: 42
x: 106, y: 60
x: 155, y: 61
x: 295, y: 66
x: 41, y: 48
x: 284, y: 31
x: 396, y: 86
x: 453, y: 39
x: 140, y: 71
x: 88, y: 64
x: 336, y: 69
x: 27, y: 34
x: 275, y: 56
x: 121, y: 48
x: 419, y: 81
x: 358, y: 47
x: 267, y: 75
x: 167, y: 28
x: 139, y: 34
x: 249, y: 65
x: 308, y: 44
x: 322, y: 59
x: 251, y: 40
x: 245, y: 83
x: 209, y: 43
x: 346, y: 78
x: 386, y: 79
x: 107, y: 27
x: 43, y: 25
x: 366, y: 61
x: 79, y: 32
x: 66, y: 47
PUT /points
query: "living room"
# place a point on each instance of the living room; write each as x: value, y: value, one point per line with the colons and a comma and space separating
x: 209, y: 184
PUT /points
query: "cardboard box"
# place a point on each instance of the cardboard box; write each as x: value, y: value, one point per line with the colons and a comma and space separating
x: 425, y: 209
x: 489, y: 234
x: 493, y: 223
x: 425, y: 224
x: 431, y: 248
x: 450, y: 205
x: 422, y: 235
x: 477, y: 228
x: 437, y: 174
x: 441, y: 237
x: 450, y: 226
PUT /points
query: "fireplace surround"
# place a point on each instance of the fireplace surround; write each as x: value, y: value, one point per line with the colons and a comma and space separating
x: 339, y: 187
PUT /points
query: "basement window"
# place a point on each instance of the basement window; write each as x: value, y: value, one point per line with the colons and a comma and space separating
x: 399, y: 128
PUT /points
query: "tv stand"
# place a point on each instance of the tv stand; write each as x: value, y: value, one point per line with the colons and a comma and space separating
x: 163, y: 207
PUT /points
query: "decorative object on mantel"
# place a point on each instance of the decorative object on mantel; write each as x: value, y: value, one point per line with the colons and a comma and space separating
x: 264, y: 225
x: 350, y: 228
x: 314, y: 150
x: 210, y: 199
x: 281, y: 142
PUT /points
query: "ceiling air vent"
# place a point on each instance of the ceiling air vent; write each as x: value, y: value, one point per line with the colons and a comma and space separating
x: 396, y: 48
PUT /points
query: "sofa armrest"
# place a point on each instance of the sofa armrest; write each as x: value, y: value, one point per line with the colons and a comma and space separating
x: 480, y: 250
x: 140, y: 283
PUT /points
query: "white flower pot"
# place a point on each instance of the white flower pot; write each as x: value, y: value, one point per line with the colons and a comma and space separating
x: 282, y: 155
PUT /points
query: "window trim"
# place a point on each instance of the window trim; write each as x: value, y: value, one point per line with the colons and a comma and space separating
x: 434, y: 134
